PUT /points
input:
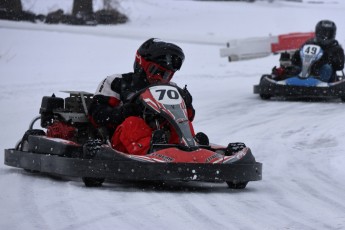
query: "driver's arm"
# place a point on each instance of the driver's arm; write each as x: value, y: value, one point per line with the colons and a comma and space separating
x: 296, y: 58
x: 106, y: 108
x: 188, y: 99
x: 336, y: 58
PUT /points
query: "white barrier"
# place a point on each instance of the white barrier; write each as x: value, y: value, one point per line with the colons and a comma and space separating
x: 250, y: 48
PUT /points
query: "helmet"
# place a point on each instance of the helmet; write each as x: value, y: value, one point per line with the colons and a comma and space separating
x: 325, y: 31
x: 159, y: 60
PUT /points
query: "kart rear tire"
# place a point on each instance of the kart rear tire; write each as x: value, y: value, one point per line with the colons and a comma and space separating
x: 265, y: 96
x: 238, y: 185
x: 31, y: 171
x: 23, y: 145
x: 93, y: 182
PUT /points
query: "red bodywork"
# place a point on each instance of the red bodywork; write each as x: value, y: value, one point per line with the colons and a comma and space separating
x: 292, y: 41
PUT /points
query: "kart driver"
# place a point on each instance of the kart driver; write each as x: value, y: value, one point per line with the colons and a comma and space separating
x: 331, y: 61
x: 155, y: 62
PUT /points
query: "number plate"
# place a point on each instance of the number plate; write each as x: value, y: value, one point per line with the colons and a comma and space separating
x: 166, y: 94
x: 311, y: 50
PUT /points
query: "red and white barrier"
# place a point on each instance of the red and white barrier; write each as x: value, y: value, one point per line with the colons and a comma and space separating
x: 290, y: 42
x: 249, y: 48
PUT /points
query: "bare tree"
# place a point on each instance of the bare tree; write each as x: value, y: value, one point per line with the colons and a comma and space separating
x: 82, y: 7
x: 11, y: 5
x: 83, y: 14
x: 13, y: 10
x: 107, y: 4
x: 110, y: 4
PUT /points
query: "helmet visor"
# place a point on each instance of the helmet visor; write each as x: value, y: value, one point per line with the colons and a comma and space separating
x: 155, y: 72
x: 173, y: 62
x: 325, y: 34
x: 158, y: 73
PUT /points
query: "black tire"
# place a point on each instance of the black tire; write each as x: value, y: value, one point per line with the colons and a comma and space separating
x: 342, y: 99
x: 265, y: 96
x: 23, y: 145
x: 266, y: 75
x: 237, y: 185
x: 91, y: 148
x: 233, y: 148
x: 93, y: 182
x: 31, y: 171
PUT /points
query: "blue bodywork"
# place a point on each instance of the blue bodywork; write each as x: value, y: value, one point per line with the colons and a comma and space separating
x: 297, y: 81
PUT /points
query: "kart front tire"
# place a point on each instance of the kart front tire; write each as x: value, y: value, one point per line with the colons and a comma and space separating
x: 237, y: 185
x: 93, y: 182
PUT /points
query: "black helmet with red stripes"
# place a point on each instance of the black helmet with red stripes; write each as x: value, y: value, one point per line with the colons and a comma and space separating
x: 158, y: 59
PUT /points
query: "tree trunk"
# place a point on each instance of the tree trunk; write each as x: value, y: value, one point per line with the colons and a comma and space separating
x: 82, y: 6
x: 109, y: 4
x: 11, y: 5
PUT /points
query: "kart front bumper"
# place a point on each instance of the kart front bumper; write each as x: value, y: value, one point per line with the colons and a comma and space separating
x: 133, y: 170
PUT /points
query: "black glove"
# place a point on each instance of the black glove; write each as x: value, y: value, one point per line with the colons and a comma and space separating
x: 234, y: 148
x: 130, y: 109
x: 187, y: 97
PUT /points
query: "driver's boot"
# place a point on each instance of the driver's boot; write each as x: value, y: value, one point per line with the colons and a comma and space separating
x: 234, y: 148
x: 202, y: 138
x: 159, y: 137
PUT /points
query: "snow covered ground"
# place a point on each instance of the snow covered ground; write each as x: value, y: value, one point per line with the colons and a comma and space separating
x: 301, y: 144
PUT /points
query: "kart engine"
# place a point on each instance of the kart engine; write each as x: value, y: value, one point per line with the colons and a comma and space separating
x: 67, y: 118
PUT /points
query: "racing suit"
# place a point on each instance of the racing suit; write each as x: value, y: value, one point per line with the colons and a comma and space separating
x: 110, y: 108
x: 331, y: 61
